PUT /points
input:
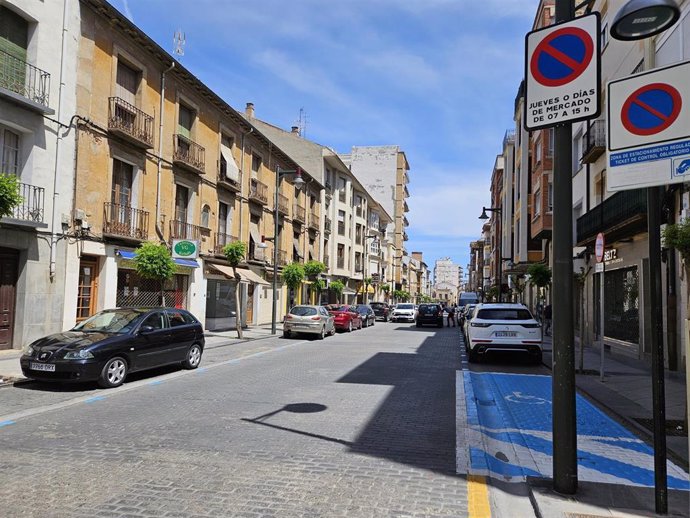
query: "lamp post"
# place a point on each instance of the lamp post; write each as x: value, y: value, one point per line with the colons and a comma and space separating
x: 499, y: 267
x: 298, y: 182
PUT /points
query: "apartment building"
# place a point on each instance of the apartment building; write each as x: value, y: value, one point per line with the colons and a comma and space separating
x: 384, y: 172
x: 161, y: 157
x: 38, y: 52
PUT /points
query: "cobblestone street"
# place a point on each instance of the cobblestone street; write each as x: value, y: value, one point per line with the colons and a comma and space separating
x: 360, y: 424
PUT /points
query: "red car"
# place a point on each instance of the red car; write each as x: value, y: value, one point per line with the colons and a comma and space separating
x: 346, y: 317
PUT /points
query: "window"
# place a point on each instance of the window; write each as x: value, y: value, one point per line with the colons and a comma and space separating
x: 550, y: 198
x: 341, y: 255
x: 181, y: 203
x: 228, y: 166
x: 537, y: 203
x: 552, y: 136
x: 14, y: 37
x: 604, y: 39
x: 577, y: 151
x: 185, y: 121
x: 256, y: 163
x: 358, y: 205
x: 537, y: 150
x: 517, y: 184
x: 205, y: 215
x: 358, y: 262
x: 10, y: 152
x: 341, y: 222
x: 155, y: 320
x: 374, y: 247
x: 127, y: 83
x: 121, y: 193
x: 223, y: 218
x: 342, y: 188
x: 358, y: 234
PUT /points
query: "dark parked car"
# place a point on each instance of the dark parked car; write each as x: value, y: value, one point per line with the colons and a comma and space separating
x: 114, y: 342
x: 346, y: 317
x: 381, y: 310
x: 429, y: 314
x: 367, y: 315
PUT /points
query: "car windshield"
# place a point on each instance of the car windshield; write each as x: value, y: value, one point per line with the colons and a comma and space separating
x: 504, y: 314
x: 116, y: 321
x: 303, y: 311
x: 377, y: 304
x: 404, y: 306
x: 424, y: 308
x: 362, y: 309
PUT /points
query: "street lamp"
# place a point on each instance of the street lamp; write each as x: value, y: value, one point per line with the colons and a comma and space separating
x: 298, y: 182
x: 640, y: 19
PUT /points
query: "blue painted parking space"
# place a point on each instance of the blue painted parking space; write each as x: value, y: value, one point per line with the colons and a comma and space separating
x: 512, y: 413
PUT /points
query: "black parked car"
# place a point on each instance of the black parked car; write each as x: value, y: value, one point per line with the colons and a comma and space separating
x: 428, y: 314
x: 367, y: 314
x: 114, y: 342
x: 381, y: 310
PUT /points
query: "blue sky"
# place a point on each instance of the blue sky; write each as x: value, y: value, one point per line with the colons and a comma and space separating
x: 436, y: 77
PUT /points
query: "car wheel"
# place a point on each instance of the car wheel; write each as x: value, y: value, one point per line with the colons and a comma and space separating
x: 332, y: 333
x: 473, y: 356
x: 349, y: 326
x: 193, y: 357
x: 365, y: 323
x: 286, y: 334
x: 536, y: 359
x: 322, y: 334
x: 114, y: 373
x: 385, y: 319
x: 439, y: 324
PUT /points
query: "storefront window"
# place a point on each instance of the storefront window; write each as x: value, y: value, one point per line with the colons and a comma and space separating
x: 621, y: 305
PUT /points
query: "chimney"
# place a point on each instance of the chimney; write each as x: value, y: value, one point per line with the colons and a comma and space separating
x: 295, y: 130
x: 249, y: 110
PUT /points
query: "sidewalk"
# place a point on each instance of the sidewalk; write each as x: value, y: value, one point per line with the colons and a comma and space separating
x: 10, y: 371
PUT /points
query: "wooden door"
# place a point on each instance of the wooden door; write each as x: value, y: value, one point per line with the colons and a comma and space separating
x: 250, y: 303
x: 9, y: 274
x: 88, y: 288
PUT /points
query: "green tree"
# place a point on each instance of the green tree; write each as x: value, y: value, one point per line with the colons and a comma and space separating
x: 314, y: 268
x: 153, y: 261
x: 9, y: 194
x: 337, y: 287
x: 293, y: 275
x: 234, y: 252
x: 318, y: 285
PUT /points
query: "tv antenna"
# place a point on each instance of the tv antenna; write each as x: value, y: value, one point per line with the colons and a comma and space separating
x: 302, y: 123
x: 179, y: 41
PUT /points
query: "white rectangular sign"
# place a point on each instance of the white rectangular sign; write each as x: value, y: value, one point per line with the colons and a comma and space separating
x: 649, y: 129
x: 562, y: 73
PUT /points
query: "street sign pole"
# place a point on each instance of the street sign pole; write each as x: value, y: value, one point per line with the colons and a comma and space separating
x: 563, y: 389
x: 599, y: 249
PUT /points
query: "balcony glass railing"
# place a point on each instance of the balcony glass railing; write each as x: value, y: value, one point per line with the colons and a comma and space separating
x: 131, y: 121
x: 24, y: 79
x: 125, y: 221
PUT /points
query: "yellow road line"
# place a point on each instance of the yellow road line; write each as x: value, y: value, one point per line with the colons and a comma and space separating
x: 478, y: 497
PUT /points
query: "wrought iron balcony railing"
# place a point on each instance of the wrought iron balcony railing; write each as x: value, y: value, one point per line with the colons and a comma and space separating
x: 258, y: 192
x: 225, y: 181
x: 183, y: 230
x: 314, y: 219
x: 298, y: 212
x: 125, y: 221
x: 594, y: 142
x: 189, y: 154
x: 32, y: 206
x: 130, y: 122
x: 283, y: 204
x: 614, y: 213
x: 24, y: 79
x: 222, y: 239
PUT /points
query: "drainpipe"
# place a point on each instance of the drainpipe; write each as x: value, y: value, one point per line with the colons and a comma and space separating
x: 160, y: 152
x: 58, y: 148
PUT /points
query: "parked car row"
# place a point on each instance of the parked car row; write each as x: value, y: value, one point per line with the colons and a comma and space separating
x: 327, y: 319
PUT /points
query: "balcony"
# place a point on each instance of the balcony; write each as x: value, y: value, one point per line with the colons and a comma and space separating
x: 594, y: 142
x: 30, y: 212
x: 24, y: 83
x: 405, y: 236
x: 222, y: 239
x: 621, y: 215
x: 258, y: 192
x: 188, y: 154
x: 226, y: 181
x: 283, y: 205
x: 299, y: 213
x: 314, y: 218
x: 129, y: 122
x: 183, y: 230
x: 327, y: 225
x: 124, y: 221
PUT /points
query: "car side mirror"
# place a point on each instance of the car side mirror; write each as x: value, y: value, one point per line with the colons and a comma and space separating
x: 144, y: 330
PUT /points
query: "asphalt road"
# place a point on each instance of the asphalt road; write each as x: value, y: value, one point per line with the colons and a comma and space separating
x: 360, y: 424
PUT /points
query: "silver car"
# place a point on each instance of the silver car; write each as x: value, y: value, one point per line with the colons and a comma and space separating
x: 315, y: 320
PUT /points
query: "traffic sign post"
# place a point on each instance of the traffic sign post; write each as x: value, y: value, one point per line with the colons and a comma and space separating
x: 599, y: 246
x: 562, y: 71
x: 649, y: 129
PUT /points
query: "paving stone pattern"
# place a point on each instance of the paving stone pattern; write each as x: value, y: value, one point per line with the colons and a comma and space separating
x: 376, y: 439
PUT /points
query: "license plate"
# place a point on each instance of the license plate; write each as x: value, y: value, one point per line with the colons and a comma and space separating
x: 505, y: 333
x: 48, y: 367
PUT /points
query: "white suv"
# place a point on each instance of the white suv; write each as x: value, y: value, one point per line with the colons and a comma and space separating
x: 404, y: 311
x: 503, y: 327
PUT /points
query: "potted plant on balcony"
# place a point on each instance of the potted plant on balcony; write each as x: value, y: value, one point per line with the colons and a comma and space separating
x: 153, y: 261
x: 9, y: 194
x: 234, y: 252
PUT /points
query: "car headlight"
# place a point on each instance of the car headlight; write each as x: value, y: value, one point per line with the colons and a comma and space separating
x: 81, y: 354
x: 28, y: 350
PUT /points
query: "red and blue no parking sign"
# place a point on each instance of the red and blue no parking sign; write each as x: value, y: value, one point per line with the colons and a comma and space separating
x: 562, y: 56
x: 651, y: 109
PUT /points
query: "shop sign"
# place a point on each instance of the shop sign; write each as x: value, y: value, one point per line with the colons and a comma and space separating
x: 185, y: 249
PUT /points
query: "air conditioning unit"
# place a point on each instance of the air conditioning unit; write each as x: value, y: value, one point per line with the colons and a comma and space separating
x: 79, y: 215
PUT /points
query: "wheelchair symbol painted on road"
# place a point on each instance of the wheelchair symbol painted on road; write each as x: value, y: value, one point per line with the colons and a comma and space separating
x: 519, y: 397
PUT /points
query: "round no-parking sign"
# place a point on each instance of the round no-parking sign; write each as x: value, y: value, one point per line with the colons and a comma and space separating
x: 562, y: 56
x: 651, y: 109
